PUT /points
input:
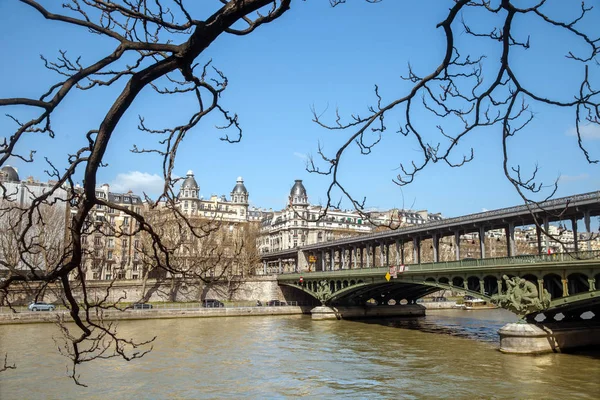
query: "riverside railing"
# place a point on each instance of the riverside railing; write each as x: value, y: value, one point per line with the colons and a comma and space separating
x: 159, y: 306
x: 484, y: 263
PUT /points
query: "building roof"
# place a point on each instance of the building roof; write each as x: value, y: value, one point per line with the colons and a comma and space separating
x: 298, y: 190
x: 239, y: 187
x: 9, y: 174
x: 189, y: 182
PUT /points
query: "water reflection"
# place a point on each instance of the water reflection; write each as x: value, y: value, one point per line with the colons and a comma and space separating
x: 445, y: 355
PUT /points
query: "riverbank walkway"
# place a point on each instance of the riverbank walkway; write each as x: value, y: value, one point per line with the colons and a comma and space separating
x: 173, y: 310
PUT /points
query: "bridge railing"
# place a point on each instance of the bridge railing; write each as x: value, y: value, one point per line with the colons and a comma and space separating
x: 486, y: 262
x: 503, y: 261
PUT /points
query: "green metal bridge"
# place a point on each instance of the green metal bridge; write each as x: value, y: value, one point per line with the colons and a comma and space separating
x: 567, y: 280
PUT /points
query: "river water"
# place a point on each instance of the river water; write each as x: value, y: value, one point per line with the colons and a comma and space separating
x: 450, y: 354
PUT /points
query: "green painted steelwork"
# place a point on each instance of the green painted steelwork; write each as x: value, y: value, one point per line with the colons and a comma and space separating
x: 420, y: 275
x: 582, y: 258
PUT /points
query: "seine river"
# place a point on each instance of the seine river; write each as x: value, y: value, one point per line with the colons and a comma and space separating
x: 448, y: 354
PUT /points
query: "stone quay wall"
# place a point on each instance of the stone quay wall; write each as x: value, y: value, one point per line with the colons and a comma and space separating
x: 263, y: 288
x: 113, y: 315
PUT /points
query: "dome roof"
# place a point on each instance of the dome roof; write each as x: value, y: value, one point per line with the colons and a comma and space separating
x: 189, y: 182
x: 298, y: 189
x: 9, y: 174
x: 239, y: 187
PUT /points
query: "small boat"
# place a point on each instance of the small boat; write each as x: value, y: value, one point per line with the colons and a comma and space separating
x: 473, y: 303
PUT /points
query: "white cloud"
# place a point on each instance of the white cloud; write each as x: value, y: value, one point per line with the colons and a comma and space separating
x: 589, y: 132
x: 484, y: 210
x: 301, y: 155
x: 138, y: 182
x: 573, y: 178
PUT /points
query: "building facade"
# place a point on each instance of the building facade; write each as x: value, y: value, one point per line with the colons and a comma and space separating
x: 30, y: 240
x: 111, y: 241
x: 236, y: 209
x: 300, y: 224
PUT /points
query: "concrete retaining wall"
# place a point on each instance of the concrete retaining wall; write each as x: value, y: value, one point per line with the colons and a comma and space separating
x: 263, y: 288
x: 40, y: 317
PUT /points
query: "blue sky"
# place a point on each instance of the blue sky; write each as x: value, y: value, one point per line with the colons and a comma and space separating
x: 313, y: 55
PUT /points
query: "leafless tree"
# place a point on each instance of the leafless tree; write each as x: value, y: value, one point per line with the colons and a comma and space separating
x: 456, y: 94
x: 156, y: 45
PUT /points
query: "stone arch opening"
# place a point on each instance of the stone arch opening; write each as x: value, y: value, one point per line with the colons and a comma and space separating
x: 490, y: 285
x: 444, y: 280
x: 345, y: 284
x: 430, y: 279
x: 578, y: 283
x: 458, y: 281
x: 352, y: 283
x: 473, y: 283
x: 553, y: 284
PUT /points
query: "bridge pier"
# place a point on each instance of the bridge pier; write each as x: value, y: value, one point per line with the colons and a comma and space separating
x: 358, y: 312
x: 526, y: 338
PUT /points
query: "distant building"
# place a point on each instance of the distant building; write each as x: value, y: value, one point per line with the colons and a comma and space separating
x: 110, y: 242
x: 298, y: 224
x: 46, y: 233
x: 236, y: 209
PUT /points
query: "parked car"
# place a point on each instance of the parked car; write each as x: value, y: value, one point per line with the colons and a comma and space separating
x: 212, y: 303
x: 41, y: 306
x: 273, y: 303
x: 141, y: 306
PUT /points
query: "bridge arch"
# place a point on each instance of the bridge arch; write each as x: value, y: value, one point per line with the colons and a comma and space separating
x: 458, y: 281
x: 490, y: 284
x: 474, y: 284
x: 553, y: 284
x: 578, y: 283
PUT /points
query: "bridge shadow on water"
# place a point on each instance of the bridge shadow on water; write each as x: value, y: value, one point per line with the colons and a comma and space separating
x: 482, y: 326
x: 453, y: 323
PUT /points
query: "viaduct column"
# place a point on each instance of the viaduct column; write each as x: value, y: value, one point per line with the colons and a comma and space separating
x: 398, y: 252
x: 322, y: 260
x: 546, y: 238
x: 368, y: 248
x: 331, y: 260
x: 280, y: 266
x: 417, y: 250
x: 586, y: 221
x: 482, y: 241
x: 402, y: 252
x: 457, y: 245
x: 362, y: 257
x: 575, y: 235
x: 510, y: 240
x: 538, y: 233
x: 436, y: 247
x: 387, y: 255
x: 264, y: 267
